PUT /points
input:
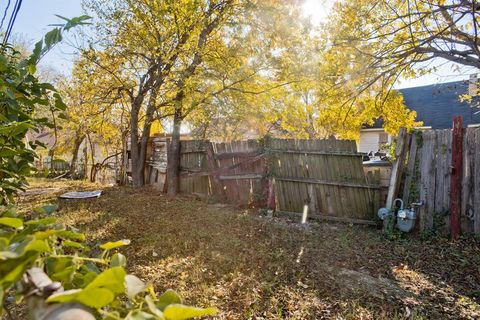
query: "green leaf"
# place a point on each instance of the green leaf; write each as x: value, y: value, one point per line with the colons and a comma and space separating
x: 65, y: 296
x: 92, y: 297
x: 59, y: 104
x: 38, y: 245
x: 118, y: 260
x: 153, y: 308
x: 181, y: 312
x: 46, y: 209
x: 139, y: 315
x: 45, y: 234
x: 73, y: 22
x: 116, y: 244
x: 133, y: 285
x: 4, y: 255
x: 3, y: 63
x: 112, y: 279
x: 8, y: 152
x: 44, y: 222
x: 167, y: 298
x: 65, y: 275
x: 99, y: 292
x: 19, y: 128
x: 52, y: 37
x: 4, y: 244
x: 88, y: 278
x: 73, y: 244
x: 37, y: 51
x: 32, y: 68
x: 14, y: 274
x: 12, y: 222
x: 71, y: 235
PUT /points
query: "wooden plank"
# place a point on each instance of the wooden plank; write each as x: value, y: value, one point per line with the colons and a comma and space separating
x: 396, y: 176
x: 410, y: 171
x: 324, y: 153
x: 476, y: 184
x: 377, y: 193
x: 237, y: 154
x: 241, y: 176
x: 217, y: 190
x: 447, y: 180
x: 427, y: 184
x: 440, y: 167
x: 328, y: 182
x: 467, y: 216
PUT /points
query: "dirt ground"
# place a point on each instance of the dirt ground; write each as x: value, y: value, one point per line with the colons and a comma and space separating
x: 251, y: 266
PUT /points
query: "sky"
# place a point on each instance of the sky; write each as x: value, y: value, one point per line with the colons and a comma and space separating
x: 33, y: 21
x: 35, y: 16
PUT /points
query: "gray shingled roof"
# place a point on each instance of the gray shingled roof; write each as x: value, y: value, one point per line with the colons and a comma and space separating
x: 437, y: 104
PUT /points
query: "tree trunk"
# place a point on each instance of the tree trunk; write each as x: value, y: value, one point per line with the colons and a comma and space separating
x: 85, y: 165
x: 173, y: 157
x: 76, y: 147
x: 139, y: 144
x: 93, y: 169
x: 122, y: 174
x: 138, y: 168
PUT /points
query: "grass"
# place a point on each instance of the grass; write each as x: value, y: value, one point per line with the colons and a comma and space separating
x: 253, y: 266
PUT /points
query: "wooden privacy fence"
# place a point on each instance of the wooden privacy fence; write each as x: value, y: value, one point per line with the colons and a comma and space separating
x: 323, y: 176
x: 428, y: 174
x: 230, y: 172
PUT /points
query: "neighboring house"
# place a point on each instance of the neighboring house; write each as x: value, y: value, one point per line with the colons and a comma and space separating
x: 436, y: 105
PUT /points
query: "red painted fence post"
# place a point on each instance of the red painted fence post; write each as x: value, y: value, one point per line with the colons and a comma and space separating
x: 456, y: 177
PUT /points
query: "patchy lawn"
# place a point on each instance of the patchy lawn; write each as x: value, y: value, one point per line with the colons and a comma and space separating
x: 252, y: 266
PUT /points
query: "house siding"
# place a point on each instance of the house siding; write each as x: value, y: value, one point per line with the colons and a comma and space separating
x: 369, y: 141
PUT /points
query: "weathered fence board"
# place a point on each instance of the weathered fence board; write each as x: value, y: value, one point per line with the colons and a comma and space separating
x: 476, y: 181
x: 428, y: 178
x: 411, y: 173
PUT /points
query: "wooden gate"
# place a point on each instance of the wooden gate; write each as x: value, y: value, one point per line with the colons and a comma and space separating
x: 230, y: 172
x: 324, y: 176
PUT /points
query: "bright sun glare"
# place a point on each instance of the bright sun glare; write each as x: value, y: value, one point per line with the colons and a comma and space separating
x: 317, y: 10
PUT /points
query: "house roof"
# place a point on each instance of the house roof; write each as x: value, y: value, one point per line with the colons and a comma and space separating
x: 437, y: 104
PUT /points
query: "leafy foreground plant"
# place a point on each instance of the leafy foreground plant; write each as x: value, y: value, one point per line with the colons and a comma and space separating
x: 22, y: 98
x: 34, y: 251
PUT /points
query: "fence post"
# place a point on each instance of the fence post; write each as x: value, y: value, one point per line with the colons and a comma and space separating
x: 456, y: 174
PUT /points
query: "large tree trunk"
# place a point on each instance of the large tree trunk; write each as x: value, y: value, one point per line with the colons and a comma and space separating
x: 173, y: 157
x: 76, y: 147
x: 139, y: 144
x: 138, y: 166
